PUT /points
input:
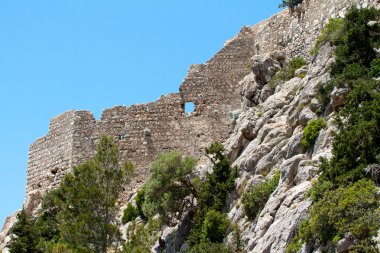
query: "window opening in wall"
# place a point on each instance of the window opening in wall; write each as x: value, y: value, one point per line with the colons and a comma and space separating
x: 121, y: 137
x: 189, y: 107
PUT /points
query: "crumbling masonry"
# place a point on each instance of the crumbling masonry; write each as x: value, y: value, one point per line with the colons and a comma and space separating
x: 143, y: 131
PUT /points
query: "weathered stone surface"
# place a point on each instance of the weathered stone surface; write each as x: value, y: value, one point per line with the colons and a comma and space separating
x: 261, y: 139
x: 345, y: 244
x: 5, y: 233
x: 264, y: 67
x: 305, y: 116
x: 338, y: 96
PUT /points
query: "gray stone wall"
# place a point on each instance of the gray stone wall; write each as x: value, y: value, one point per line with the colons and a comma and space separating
x: 152, y: 128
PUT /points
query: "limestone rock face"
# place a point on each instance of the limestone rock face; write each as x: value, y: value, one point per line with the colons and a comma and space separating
x: 261, y: 127
x: 276, y: 130
x: 5, y: 234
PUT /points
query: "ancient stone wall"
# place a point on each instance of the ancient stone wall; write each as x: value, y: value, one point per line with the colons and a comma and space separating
x: 143, y: 131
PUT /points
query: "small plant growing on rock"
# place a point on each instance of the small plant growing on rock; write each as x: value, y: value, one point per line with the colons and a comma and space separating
x: 311, y: 131
x: 215, y: 226
x: 353, y: 209
x: 375, y: 68
x: 130, y: 214
x: 290, y: 3
x: 332, y: 32
x: 287, y: 72
x: 256, y: 198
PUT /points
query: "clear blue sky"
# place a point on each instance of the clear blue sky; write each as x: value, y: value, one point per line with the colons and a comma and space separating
x: 57, y: 55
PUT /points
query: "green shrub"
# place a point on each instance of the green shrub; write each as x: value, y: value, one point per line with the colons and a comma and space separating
x: 294, y: 246
x: 332, y: 32
x: 354, y: 209
x: 311, y: 131
x: 213, y: 191
x: 287, y: 72
x: 215, y: 226
x: 170, y: 190
x: 256, y: 198
x: 130, y: 214
x: 350, y: 74
x: 141, y: 237
x: 140, y: 198
x: 209, y: 248
x: 357, y: 43
x: 324, y: 93
x: 375, y: 68
x: 290, y: 3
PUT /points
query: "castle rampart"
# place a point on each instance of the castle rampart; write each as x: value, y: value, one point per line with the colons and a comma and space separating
x: 143, y: 131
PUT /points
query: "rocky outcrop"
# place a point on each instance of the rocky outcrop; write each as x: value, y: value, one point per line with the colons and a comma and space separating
x: 5, y: 234
x: 273, y: 143
x: 262, y: 136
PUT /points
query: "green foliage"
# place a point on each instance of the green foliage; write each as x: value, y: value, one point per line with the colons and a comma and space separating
x: 356, y: 144
x: 255, y: 199
x: 215, y: 226
x: 23, y: 235
x: 295, y: 245
x: 78, y: 216
x: 344, y: 201
x: 357, y: 42
x: 141, y: 237
x: 290, y: 3
x: 332, y: 32
x: 375, y: 68
x: 354, y: 209
x: 323, y: 94
x: 287, y: 72
x: 213, y: 191
x: 311, y: 131
x: 87, y: 198
x: 130, y: 214
x: 171, y: 187
x: 60, y: 247
x: 209, y: 248
x: 140, y: 198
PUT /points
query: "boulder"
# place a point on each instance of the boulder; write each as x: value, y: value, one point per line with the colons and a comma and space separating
x: 264, y: 67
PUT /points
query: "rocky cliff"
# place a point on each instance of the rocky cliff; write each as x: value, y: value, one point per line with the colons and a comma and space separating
x: 262, y: 136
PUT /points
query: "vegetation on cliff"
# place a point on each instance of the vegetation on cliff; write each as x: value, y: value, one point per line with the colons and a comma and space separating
x: 78, y: 216
x: 174, y: 191
x: 346, y: 201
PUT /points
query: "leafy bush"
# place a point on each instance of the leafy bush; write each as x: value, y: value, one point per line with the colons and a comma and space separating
x: 356, y: 44
x: 130, y: 214
x: 324, y: 93
x: 256, y: 198
x: 141, y: 237
x: 290, y: 3
x: 344, y: 201
x: 140, y: 198
x: 295, y: 245
x: 213, y: 191
x: 215, y: 227
x: 375, y: 68
x: 287, y: 72
x: 171, y: 189
x: 354, y: 209
x: 311, y: 131
x: 209, y: 248
x: 356, y: 144
x: 332, y: 32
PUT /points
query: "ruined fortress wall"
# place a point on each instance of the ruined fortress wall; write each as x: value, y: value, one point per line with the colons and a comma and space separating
x: 145, y: 130
x: 152, y: 128
x: 295, y: 36
x: 51, y: 153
